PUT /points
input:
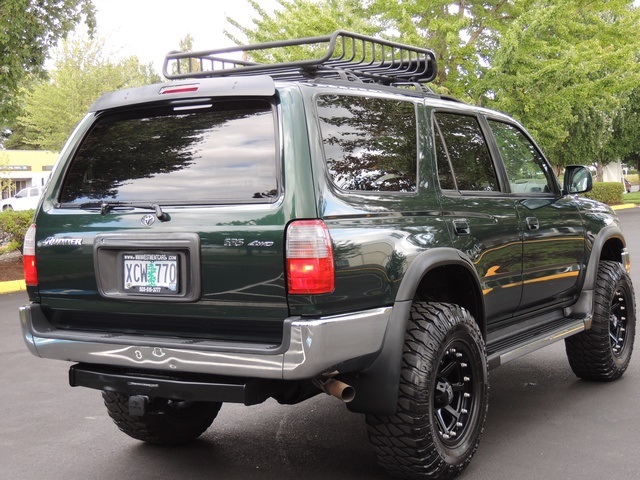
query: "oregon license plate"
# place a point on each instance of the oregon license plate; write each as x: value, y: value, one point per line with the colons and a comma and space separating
x: 151, y: 273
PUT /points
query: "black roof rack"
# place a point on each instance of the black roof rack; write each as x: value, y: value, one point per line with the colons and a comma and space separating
x: 342, y: 54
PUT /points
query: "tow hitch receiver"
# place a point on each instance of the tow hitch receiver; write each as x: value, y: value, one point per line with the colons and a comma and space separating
x: 138, y: 405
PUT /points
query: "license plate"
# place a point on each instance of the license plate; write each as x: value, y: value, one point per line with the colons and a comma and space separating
x: 151, y: 273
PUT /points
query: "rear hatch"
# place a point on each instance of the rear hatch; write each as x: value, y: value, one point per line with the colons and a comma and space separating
x: 167, y: 218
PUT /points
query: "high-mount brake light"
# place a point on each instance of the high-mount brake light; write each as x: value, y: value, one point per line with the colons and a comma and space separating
x: 29, y: 257
x: 179, y: 89
x: 310, y: 269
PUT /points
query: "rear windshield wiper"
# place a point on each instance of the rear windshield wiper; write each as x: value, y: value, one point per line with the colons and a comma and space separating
x: 107, y: 206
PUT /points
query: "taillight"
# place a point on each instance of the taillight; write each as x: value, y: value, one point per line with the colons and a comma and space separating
x: 309, y: 254
x: 29, y: 257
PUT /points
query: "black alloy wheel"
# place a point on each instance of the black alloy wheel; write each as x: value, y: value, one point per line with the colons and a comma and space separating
x: 455, y: 394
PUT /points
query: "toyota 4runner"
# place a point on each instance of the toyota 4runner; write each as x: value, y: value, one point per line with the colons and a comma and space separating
x: 249, y: 231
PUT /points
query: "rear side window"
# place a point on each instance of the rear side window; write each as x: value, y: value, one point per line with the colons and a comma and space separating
x: 370, y: 144
x: 224, y: 152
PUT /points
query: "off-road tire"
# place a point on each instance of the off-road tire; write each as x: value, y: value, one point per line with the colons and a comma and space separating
x: 169, y: 423
x: 443, y: 397
x: 604, y: 352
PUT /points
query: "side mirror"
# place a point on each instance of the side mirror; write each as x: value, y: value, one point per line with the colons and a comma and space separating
x: 577, y: 179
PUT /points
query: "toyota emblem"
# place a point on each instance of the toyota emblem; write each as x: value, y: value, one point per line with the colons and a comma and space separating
x: 148, y: 220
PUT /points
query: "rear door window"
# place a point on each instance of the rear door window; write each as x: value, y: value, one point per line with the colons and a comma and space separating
x: 223, y: 152
x: 464, y: 162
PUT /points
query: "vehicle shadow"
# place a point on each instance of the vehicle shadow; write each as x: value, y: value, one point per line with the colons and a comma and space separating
x: 542, y: 423
x: 318, y: 439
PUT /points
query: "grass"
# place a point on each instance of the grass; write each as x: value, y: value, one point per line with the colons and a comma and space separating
x: 633, y: 197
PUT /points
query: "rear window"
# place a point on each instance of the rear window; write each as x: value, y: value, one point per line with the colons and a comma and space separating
x: 223, y: 152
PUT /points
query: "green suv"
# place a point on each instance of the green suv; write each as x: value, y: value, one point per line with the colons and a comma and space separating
x: 274, y: 230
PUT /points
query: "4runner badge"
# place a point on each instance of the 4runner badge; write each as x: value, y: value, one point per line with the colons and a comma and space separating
x: 49, y: 241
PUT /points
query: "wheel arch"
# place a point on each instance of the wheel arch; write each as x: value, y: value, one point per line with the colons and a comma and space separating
x: 608, y: 244
x: 441, y: 274
x: 444, y: 275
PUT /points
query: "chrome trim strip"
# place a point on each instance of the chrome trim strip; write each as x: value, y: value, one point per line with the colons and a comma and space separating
x: 315, y: 346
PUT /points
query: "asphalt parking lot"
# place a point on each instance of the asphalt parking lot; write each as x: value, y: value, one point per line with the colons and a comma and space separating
x: 543, y: 423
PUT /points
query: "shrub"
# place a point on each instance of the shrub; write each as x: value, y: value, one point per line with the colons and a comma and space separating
x: 606, y: 192
x: 13, y: 226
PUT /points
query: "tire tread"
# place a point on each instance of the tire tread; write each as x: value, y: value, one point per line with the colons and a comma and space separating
x: 589, y: 352
x: 161, y: 428
x: 403, y: 443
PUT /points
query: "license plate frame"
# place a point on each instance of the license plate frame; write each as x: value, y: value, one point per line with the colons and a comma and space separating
x: 156, y: 273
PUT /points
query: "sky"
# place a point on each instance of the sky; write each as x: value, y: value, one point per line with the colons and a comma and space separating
x: 150, y: 29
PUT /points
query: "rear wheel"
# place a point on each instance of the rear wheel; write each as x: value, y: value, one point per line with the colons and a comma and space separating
x: 170, y: 422
x: 443, y: 397
x: 604, y: 351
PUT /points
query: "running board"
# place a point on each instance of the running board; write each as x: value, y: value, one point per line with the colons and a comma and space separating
x: 503, y: 351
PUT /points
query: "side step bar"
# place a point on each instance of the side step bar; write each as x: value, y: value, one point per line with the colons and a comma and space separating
x: 503, y: 351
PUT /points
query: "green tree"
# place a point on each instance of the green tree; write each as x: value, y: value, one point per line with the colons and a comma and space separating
x: 624, y: 143
x: 564, y: 70
x: 186, y: 65
x: 299, y: 19
x: 5, y: 183
x: 80, y: 75
x: 28, y: 29
x: 562, y: 67
x: 464, y: 34
x: 14, y: 137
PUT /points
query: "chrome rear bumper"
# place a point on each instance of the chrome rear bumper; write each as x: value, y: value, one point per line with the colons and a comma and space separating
x: 309, y: 348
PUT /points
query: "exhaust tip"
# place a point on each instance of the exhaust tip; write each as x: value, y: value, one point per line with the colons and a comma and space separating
x: 348, y: 394
x: 337, y: 389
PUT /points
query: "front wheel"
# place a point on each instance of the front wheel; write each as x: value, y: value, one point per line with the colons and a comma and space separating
x: 604, y: 351
x: 443, y: 397
x: 171, y: 422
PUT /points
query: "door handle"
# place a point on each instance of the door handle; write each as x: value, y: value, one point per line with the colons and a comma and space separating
x: 461, y: 227
x: 533, y: 223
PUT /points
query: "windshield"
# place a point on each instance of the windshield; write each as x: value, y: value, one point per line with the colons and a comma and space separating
x: 222, y: 152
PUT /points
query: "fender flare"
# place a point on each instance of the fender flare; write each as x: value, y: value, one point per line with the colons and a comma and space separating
x: 607, y: 233
x: 377, y: 386
x: 583, y: 307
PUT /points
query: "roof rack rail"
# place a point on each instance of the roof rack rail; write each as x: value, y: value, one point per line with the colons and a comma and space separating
x: 342, y: 54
